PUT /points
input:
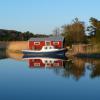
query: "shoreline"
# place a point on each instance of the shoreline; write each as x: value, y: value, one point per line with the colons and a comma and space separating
x: 17, y: 46
x: 92, y: 55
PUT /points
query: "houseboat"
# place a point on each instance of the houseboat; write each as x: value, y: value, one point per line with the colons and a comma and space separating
x: 50, y: 46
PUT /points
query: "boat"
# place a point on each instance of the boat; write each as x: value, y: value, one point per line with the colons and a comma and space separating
x: 46, y: 51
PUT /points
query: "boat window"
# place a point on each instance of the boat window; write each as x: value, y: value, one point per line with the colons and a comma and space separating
x: 55, y: 43
x: 47, y: 43
x: 45, y: 47
x: 50, y: 47
x: 36, y: 43
x: 46, y: 61
x: 50, y: 61
x: 37, y: 64
x: 56, y: 64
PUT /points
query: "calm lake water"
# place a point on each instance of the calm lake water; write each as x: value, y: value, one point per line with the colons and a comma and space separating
x: 26, y: 79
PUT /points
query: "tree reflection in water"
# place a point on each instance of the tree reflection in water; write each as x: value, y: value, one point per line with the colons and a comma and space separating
x: 94, y: 67
x: 77, y: 68
x: 72, y: 69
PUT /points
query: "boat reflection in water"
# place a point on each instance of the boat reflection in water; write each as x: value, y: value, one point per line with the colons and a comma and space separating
x: 45, y: 62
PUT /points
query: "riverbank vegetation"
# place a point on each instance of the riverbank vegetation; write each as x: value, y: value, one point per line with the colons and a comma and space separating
x: 83, y: 39
x: 78, y: 33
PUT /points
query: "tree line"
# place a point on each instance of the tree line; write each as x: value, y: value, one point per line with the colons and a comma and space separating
x: 12, y: 35
x: 76, y: 32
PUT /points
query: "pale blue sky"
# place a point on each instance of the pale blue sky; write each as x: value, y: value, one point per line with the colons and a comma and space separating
x: 42, y: 16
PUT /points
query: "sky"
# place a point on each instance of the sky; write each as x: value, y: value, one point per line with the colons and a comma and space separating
x: 43, y: 16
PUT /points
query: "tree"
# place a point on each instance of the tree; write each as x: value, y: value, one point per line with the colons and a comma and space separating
x: 94, y: 30
x: 28, y: 35
x: 74, y: 32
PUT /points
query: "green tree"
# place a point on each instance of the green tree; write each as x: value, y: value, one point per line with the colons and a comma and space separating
x: 74, y: 32
x: 94, y: 30
x: 28, y: 35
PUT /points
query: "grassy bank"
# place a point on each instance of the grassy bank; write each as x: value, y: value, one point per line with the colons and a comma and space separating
x: 14, y: 45
x: 13, y: 49
x: 85, y: 50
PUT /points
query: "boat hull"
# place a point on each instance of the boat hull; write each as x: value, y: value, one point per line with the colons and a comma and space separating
x: 56, y: 53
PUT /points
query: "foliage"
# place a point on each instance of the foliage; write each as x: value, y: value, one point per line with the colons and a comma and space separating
x: 94, y: 30
x: 74, y: 32
x: 12, y: 35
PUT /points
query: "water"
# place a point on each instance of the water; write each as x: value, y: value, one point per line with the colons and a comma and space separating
x: 26, y: 79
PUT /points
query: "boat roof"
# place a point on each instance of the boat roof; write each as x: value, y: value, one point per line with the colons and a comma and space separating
x: 51, y: 38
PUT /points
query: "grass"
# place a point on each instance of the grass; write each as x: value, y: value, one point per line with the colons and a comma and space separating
x: 14, y: 45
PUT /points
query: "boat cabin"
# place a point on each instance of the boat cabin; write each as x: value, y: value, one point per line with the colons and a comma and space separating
x: 38, y: 43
